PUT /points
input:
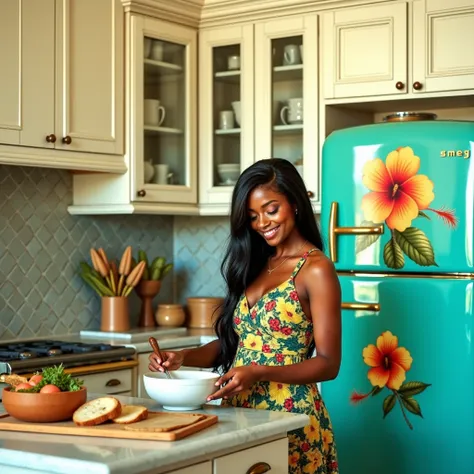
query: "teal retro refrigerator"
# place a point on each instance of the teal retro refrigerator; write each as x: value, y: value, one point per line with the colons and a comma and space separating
x: 398, y: 220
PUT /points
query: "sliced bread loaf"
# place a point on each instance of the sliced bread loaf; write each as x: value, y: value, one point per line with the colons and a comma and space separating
x: 131, y: 414
x: 97, y: 411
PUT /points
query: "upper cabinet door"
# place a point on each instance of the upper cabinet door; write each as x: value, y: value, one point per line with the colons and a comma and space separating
x: 286, y: 111
x: 443, y: 45
x: 364, y: 51
x: 163, y: 111
x: 89, y: 76
x: 27, y: 72
x: 226, y: 110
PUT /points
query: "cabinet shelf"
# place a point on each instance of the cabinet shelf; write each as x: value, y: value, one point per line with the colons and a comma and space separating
x: 231, y: 77
x: 160, y: 68
x: 288, y: 129
x: 230, y: 131
x: 293, y: 72
x: 150, y: 129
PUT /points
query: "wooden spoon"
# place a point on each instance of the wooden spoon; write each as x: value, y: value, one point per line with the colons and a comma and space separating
x: 156, y: 349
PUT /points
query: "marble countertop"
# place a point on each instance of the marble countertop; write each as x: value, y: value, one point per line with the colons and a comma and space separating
x: 66, y: 454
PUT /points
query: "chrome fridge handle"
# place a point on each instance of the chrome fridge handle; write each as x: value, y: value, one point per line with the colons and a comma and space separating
x: 334, y: 231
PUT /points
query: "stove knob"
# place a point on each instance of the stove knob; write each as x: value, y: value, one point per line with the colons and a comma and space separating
x: 26, y: 355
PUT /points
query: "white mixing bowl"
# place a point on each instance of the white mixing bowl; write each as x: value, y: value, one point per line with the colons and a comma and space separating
x: 186, y: 390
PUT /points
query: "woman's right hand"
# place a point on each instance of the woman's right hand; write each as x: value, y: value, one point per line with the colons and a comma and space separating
x: 172, y: 360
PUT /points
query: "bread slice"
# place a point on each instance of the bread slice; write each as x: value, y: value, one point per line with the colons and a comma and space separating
x: 131, y: 414
x: 97, y: 411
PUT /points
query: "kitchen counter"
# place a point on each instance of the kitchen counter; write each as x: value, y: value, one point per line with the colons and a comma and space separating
x: 235, y: 430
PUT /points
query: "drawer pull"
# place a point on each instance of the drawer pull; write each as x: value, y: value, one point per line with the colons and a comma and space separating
x: 259, y: 468
x: 113, y: 383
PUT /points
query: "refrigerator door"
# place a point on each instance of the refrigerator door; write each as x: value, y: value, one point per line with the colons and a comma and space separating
x: 419, y: 351
x: 400, y: 197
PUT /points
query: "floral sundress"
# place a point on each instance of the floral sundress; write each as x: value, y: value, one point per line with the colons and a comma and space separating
x: 275, y: 331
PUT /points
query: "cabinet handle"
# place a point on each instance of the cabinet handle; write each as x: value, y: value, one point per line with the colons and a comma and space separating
x: 67, y: 140
x: 51, y: 138
x: 113, y: 383
x: 259, y: 468
x: 399, y: 85
x: 310, y: 194
x: 141, y: 193
x: 417, y: 86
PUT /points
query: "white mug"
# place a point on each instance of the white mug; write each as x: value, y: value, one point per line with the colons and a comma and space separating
x: 233, y: 62
x: 226, y: 120
x: 161, y: 174
x: 154, y: 113
x: 236, y: 107
x: 157, y: 50
x: 147, y: 47
x: 294, y: 109
x: 291, y: 55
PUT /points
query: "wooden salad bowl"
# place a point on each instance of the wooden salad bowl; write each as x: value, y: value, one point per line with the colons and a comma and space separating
x: 43, y: 407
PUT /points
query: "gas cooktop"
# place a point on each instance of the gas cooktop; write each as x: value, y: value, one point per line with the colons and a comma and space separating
x: 26, y: 356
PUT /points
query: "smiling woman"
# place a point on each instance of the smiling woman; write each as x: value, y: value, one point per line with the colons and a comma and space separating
x: 283, y: 301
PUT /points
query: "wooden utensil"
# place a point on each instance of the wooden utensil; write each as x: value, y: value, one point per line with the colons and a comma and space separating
x: 156, y: 349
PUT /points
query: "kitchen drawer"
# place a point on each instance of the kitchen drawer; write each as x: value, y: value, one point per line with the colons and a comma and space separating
x: 116, y: 381
x: 275, y: 454
x: 201, y: 468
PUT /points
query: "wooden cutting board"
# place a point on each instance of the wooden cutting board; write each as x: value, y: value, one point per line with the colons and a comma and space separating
x: 146, y: 429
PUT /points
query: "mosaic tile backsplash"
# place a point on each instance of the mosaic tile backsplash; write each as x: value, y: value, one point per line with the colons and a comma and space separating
x: 199, y: 245
x: 41, y: 246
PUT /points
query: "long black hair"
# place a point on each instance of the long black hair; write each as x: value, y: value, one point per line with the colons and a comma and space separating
x: 247, y: 252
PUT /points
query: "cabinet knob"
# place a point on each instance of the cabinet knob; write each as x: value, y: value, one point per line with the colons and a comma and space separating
x: 141, y: 193
x: 259, y: 468
x: 51, y: 138
x: 67, y: 140
x: 417, y: 86
x: 113, y: 383
x: 399, y: 85
x: 310, y: 194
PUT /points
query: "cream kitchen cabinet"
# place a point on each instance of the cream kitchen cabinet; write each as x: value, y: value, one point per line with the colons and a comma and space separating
x: 226, y: 112
x: 61, y: 86
x: 258, y: 92
x: 443, y: 46
x: 398, y: 49
x: 364, y: 51
x: 201, y: 468
x: 161, y: 142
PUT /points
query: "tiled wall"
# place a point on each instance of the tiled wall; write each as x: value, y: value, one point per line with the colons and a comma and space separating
x: 41, y: 246
x: 199, y: 245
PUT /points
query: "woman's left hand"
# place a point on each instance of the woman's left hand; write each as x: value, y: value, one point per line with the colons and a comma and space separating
x: 236, y: 380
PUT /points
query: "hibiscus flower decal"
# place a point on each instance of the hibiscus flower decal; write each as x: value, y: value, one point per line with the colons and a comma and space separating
x: 399, y: 195
x: 389, y: 364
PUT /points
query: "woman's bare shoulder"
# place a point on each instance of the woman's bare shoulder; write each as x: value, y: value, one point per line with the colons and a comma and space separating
x: 318, y: 265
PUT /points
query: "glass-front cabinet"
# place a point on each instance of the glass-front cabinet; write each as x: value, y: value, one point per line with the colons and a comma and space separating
x: 163, y: 112
x: 286, y: 112
x: 226, y: 112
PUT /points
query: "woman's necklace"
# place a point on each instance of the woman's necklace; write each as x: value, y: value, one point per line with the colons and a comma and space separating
x: 271, y: 270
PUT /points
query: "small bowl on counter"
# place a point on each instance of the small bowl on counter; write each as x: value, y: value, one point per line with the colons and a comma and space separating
x: 43, y: 407
x: 186, y: 389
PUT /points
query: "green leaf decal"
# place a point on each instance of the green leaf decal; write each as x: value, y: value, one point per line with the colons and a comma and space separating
x: 364, y: 241
x: 388, y: 404
x: 376, y: 390
x: 416, y: 246
x: 408, y: 389
x: 393, y: 255
x: 412, y: 406
x: 423, y: 214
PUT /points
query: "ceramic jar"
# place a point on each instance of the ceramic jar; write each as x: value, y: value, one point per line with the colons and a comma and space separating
x: 170, y: 315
